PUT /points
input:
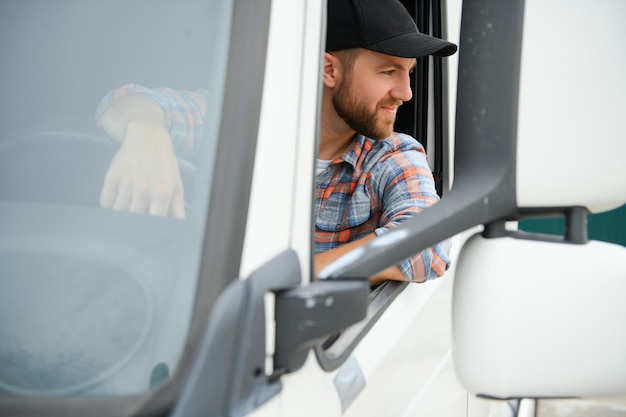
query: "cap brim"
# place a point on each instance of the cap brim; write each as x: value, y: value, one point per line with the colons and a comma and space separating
x: 413, y: 45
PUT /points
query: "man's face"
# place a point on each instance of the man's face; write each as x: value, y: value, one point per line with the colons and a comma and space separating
x: 369, y: 94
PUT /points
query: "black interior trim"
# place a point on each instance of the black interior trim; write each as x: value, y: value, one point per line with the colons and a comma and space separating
x: 413, y: 116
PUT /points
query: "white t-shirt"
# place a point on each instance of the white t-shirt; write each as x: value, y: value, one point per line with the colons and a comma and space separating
x: 321, y: 165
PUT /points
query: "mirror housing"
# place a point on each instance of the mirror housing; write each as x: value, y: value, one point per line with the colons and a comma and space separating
x: 539, y: 318
x: 535, y: 316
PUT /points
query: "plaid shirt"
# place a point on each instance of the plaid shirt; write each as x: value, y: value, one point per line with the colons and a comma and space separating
x: 184, y: 112
x: 373, y: 187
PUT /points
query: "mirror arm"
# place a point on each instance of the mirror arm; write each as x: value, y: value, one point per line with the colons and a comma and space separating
x: 464, y: 207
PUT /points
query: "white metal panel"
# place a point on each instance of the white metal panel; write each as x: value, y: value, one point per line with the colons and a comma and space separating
x: 307, y: 134
x: 406, y: 357
x: 571, y: 138
x: 281, y: 194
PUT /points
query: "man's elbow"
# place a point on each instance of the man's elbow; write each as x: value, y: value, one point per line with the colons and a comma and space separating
x: 429, y: 264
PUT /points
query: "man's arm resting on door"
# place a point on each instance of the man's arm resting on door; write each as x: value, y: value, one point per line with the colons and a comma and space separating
x: 321, y: 260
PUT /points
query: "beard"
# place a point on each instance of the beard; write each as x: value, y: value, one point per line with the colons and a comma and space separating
x: 357, y: 115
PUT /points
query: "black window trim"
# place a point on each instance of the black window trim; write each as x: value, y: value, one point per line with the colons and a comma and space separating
x: 413, y: 116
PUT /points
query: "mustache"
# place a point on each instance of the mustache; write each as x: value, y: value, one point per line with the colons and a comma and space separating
x: 391, y: 103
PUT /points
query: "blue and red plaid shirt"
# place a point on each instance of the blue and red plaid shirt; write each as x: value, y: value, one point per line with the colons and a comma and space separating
x: 371, y: 188
x: 184, y: 112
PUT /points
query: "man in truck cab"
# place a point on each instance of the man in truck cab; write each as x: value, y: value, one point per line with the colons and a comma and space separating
x: 369, y: 178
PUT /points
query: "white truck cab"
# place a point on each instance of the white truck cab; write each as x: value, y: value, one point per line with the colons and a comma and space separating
x: 111, y: 313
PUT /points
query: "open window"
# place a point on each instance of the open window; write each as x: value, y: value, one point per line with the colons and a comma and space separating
x: 425, y: 117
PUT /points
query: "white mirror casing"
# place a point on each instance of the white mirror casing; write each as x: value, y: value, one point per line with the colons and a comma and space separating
x: 571, y: 143
x: 544, y: 319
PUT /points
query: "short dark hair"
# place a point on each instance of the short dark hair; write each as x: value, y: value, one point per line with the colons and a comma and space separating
x: 348, y: 57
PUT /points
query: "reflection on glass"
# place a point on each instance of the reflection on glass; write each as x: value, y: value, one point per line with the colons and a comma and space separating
x: 96, y: 301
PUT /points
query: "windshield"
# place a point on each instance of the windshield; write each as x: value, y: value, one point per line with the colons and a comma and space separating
x: 96, y: 284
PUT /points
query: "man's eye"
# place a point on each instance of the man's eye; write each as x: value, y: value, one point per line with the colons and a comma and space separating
x: 388, y: 72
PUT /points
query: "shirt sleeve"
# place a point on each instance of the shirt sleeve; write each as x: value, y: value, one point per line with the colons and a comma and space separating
x: 405, y: 185
x: 185, y: 112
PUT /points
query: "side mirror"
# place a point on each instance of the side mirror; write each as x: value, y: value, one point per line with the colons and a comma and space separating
x: 540, y: 319
x: 534, y: 317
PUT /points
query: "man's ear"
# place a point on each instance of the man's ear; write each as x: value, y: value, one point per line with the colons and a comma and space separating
x: 332, y: 70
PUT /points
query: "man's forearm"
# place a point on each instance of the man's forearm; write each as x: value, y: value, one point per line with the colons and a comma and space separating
x: 115, y: 118
x: 324, y: 259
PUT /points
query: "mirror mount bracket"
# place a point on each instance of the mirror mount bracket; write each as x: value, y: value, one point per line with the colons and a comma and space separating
x: 305, y: 315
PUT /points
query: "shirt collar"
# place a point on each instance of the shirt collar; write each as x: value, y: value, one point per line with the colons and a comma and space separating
x: 353, y: 152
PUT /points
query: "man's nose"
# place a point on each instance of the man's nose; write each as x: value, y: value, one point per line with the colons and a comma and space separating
x: 402, y: 90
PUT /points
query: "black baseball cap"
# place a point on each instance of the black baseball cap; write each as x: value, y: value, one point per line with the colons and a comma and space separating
x: 379, y: 25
